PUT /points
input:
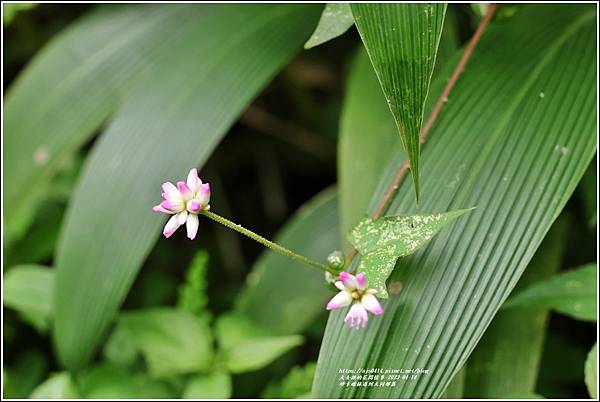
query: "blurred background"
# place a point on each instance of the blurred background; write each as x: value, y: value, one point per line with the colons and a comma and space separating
x: 279, y: 155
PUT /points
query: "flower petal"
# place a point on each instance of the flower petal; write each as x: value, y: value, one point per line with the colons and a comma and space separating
x: 348, y: 280
x: 371, y: 303
x: 193, y: 206
x: 185, y: 191
x: 182, y: 217
x: 192, y: 226
x: 342, y: 299
x: 193, y: 181
x: 171, y: 226
x: 171, y: 191
x: 357, y: 317
x: 339, y: 285
x: 174, y: 206
x: 160, y: 209
x: 361, y: 281
x: 204, y: 194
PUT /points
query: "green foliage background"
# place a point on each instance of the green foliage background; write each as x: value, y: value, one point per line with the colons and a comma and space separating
x: 104, y: 102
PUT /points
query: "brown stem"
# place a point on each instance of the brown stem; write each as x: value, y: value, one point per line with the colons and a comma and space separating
x: 381, y: 207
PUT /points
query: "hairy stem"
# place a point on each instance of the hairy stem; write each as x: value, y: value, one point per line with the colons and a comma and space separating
x: 265, y: 242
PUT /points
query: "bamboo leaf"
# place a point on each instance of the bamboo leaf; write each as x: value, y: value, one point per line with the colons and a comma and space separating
x: 402, y: 42
x: 383, y: 241
x: 501, y: 146
x: 297, y: 294
x: 591, y: 371
x: 166, y: 126
x: 507, y: 358
x: 335, y: 20
x: 572, y: 292
x: 73, y: 85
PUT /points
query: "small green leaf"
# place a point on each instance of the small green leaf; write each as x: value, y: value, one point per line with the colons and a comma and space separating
x: 29, y: 289
x: 253, y: 354
x: 246, y: 346
x: 402, y: 42
x: 382, y: 242
x: 120, y: 348
x: 296, y: 384
x: 172, y: 341
x: 335, y: 20
x: 28, y: 370
x: 216, y: 385
x: 57, y: 386
x: 591, y: 375
x: 10, y: 11
x: 572, y: 292
x: 107, y: 381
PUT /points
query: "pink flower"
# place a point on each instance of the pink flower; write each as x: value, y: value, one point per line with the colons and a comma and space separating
x: 353, y: 290
x: 184, y: 201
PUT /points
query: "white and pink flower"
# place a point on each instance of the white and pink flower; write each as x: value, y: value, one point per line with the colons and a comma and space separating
x: 354, y: 291
x: 184, y: 201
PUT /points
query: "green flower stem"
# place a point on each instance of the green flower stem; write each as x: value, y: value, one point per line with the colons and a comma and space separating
x: 268, y: 243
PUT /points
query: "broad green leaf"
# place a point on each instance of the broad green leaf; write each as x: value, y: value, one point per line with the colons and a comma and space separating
x: 172, y: 341
x: 247, y: 346
x: 572, y: 292
x: 589, y: 189
x: 192, y: 293
x: 296, y: 384
x: 367, y: 139
x: 255, y: 353
x: 494, y: 145
x: 591, y: 373
x: 456, y: 387
x: 29, y: 289
x: 72, y: 86
x: 233, y: 328
x: 368, y: 135
x: 57, y: 386
x: 402, y: 42
x: 336, y: 19
x: 216, y: 385
x: 212, y: 75
x: 286, y: 296
x: 107, y: 381
x: 507, y: 358
x: 381, y: 242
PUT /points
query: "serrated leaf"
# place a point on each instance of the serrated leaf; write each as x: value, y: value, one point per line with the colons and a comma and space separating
x: 591, y: 373
x: 572, y: 292
x: 215, y: 385
x: 382, y: 242
x: 212, y: 75
x: 336, y: 19
x: 29, y: 289
x: 494, y: 145
x: 402, y: 42
x: 172, y: 341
